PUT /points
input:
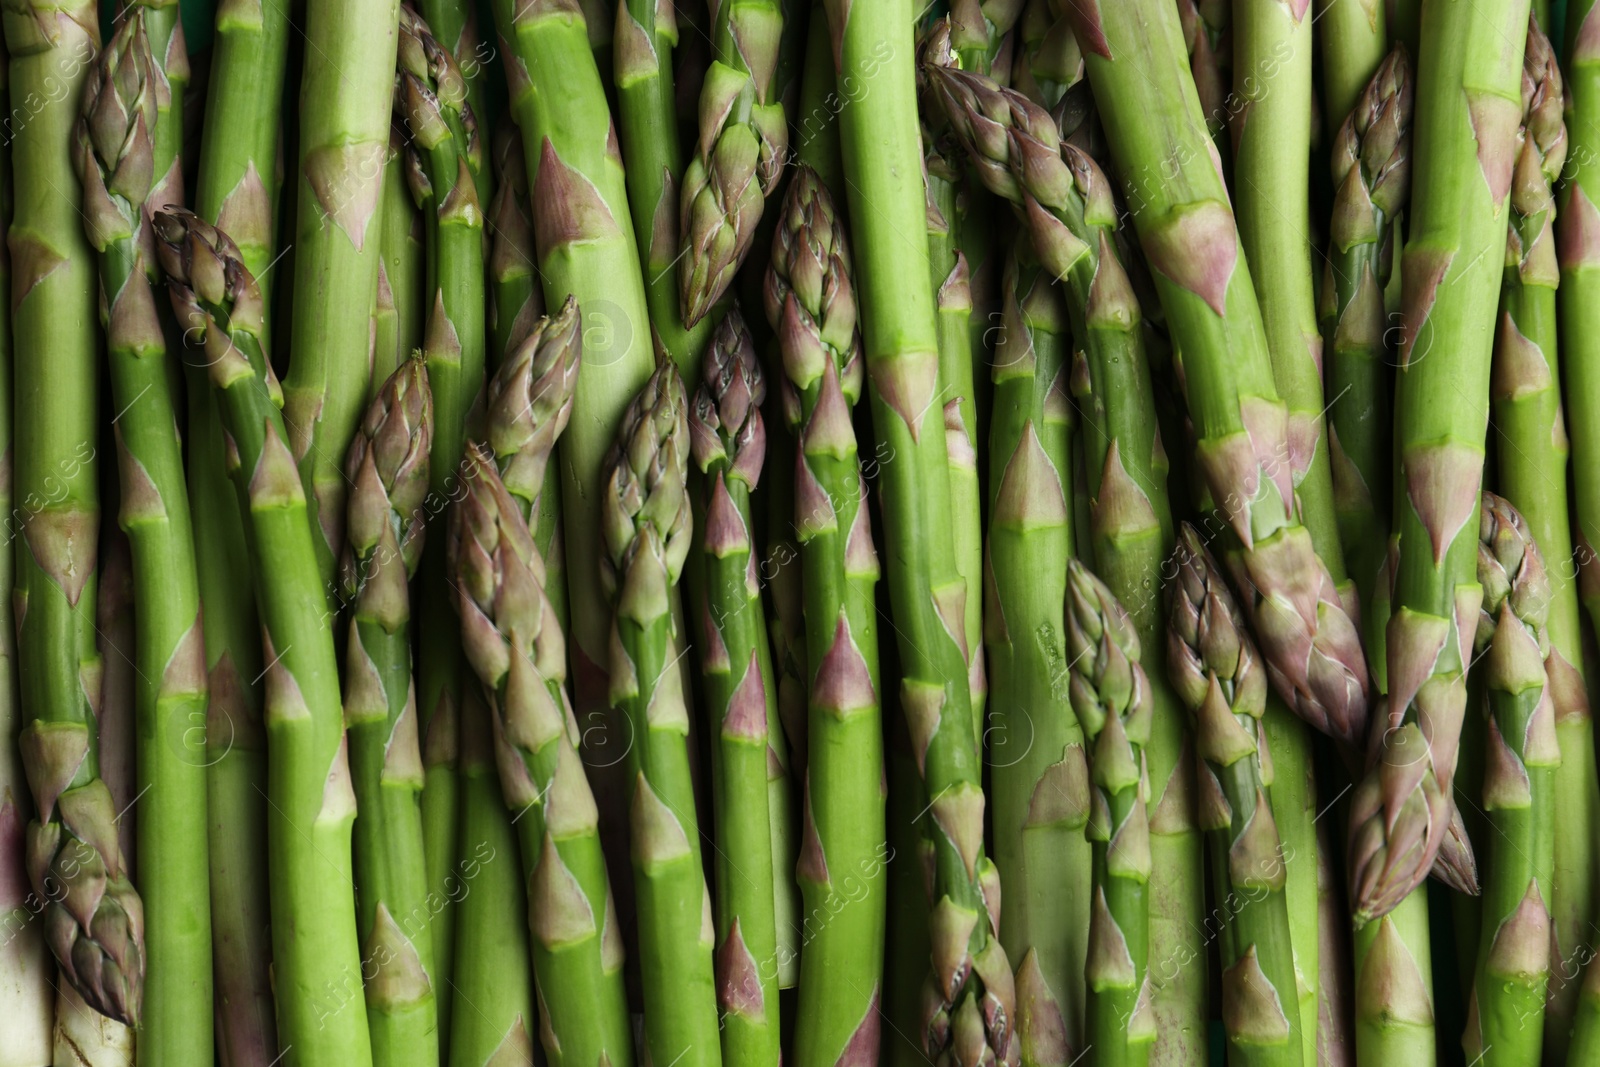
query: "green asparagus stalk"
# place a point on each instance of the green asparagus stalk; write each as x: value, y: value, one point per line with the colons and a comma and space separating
x: 238, y: 181
x: 115, y: 639
x: 647, y: 31
x: 947, y: 200
x: 728, y: 443
x: 431, y: 98
x: 1150, y: 112
x: 515, y: 302
x: 739, y: 154
x: 1586, y: 1020
x: 1532, y: 466
x: 1207, y: 39
x: 1216, y: 669
x: 344, y: 135
x: 1111, y: 697
x: 494, y: 1015
x: 494, y: 992
x: 1336, y: 1045
x: 398, y: 307
x: 316, y: 963
x: 114, y: 149
x: 1577, y: 874
x: 810, y: 303
x: 584, y: 237
x: 1353, y: 39
x: 517, y: 649
x: 1272, y: 133
x: 1039, y: 778
x: 91, y: 914
x: 646, y: 528
x: 1506, y: 1007
x: 816, y: 123
x: 1371, y: 174
x: 969, y: 1002
x: 237, y: 190
x: 25, y: 1000
x: 387, y: 468
x: 1469, y: 80
x: 431, y: 101
x: 778, y: 570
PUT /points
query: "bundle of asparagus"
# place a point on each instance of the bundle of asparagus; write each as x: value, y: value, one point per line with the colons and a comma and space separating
x: 611, y: 685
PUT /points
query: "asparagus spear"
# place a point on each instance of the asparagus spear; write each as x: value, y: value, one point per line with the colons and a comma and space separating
x: 316, y: 965
x: 739, y: 154
x: 1150, y: 112
x: 646, y: 33
x: 816, y: 122
x: 1039, y: 777
x: 969, y: 998
x: 728, y: 442
x: 494, y: 1012
x: 947, y: 200
x: 1532, y: 467
x: 528, y: 404
x: 1469, y: 79
x: 1217, y: 670
x: 517, y: 649
x: 1111, y: 697
x: 1208, y: 39
x: 115, y: 639
x: 1037, y: 750
x: 25, y: 1000
x: 344, y: 134
x: 586, y: 249
x: 237, y: 190
x: 1577, y: 875
x: 431, y: 100
x: 114, y: 149
x: 1353, y: 38
x: 1272, y: 132
x: 387, y: 468
x: 398, y: 308
x: 1586, y: 1020
x: 73, y: 855
x: 1371, y: 175
x: 1506, y: 1007
x: 646, y: 528
x: 810, y: 303
x: 515, y: 302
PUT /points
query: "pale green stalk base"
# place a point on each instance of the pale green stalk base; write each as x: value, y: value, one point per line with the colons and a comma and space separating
x: 85, y: 1038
